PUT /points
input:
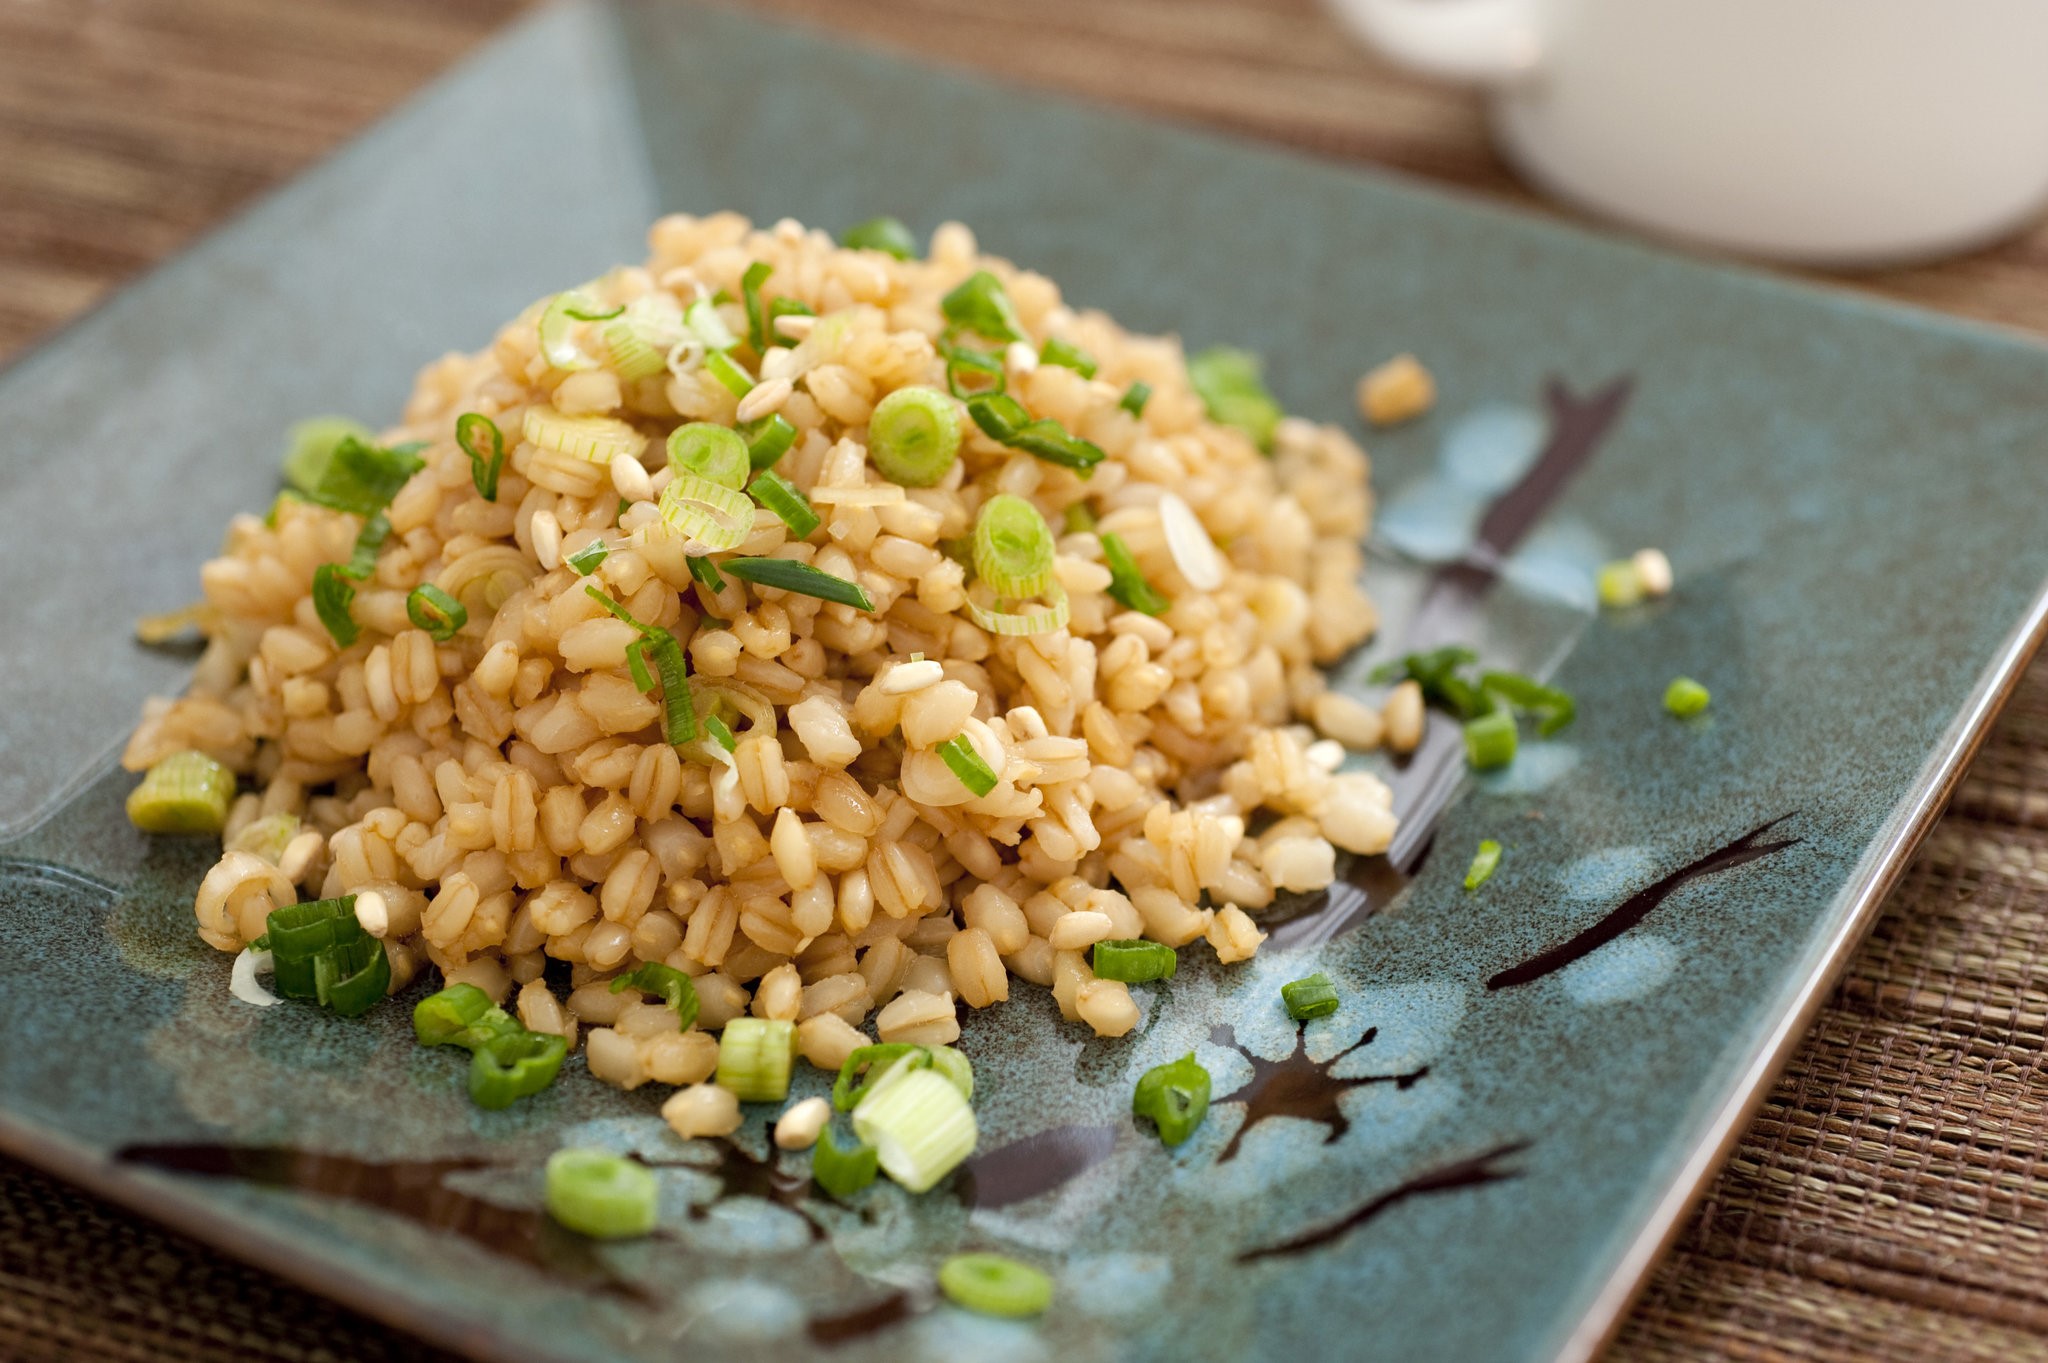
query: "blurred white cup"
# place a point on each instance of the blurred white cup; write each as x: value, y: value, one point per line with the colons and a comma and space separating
x: 1835, y: 132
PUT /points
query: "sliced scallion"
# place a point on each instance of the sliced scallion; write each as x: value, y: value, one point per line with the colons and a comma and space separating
x: 1127, y: 584
x: 679, y: 714
x: 310, y: 445
x: 334, y: 590
x: 702, y: 318
x: 713, y: 452
x: 768, y: 440
x: 840, y: 1170
x: 434, y: 611
x: 1483, y: 863
x: 1619, y: 583
x: 992, y: 1285
x: 966, y: 763
x: 1312, y: 996
x: 1686, y: 697
x: 1013, y: 547
x: 720, y: 732
x: 711, y: 515
x: 187, y: 792
x: 363, y: 478
x: 1077, y: 518
x: 722, y: 367
x: 974, y: 373
x: 557, y: 330
x: 1135, y: 397
x: 1490, y: 740
x: 884, y: 234
x: 705, y: 574
x: 350, y: 977
x: 590, y: 557
x: 515, y: 1065
x: 873, y: 1062
x: 979, y: 305
x: 1067, y: 356
x: 460, y: 1015
x: 484, y: 443
x: 1006, y: 421
x: 781, y: 308
x: 1553, y: 709
x: 672, y: 985
x: 594, y: 439
x: 920, y: 1126
x: 999, y: 617
x: 754, y: 1057
x: 1232, y: 387
x: 957, y: 1069
x: 786, y: 500
x: 914, y: 436
x: 1133, y: 961
x: 1174, y: 1096
x: 790, y: 576
x: 750, y: 295
x: 602, y: 1195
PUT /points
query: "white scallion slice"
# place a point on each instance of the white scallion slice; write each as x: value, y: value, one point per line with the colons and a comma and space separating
x: 710, y: 516
x: 631, y: 355
x: 702, y: 318
x: 881, y: 495
x: 729, y: 702
x: 987, y: 610
x: 1194, y: 553
x: 242, y: 981
x: 557, y: 330
x: 485, y: 579
x: 920, y: 1126
x: 596, y: 439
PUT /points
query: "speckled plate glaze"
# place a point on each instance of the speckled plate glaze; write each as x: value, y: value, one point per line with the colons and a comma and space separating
x: 1478, y: 1155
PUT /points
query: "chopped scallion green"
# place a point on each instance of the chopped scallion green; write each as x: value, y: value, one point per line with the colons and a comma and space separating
x: 1175, y: 1096
x: 1013, y: 547
x: 434, y: 611
x: 711, y: 452
x: 787, y: 501
x: 979, y: 305
x: 1312, y: 996
x: 840, y: 1170
x: 484, y: 443
x: 1056, y: 351
x: 874, y: 1061
x: 1135, y: 397
x: 735, y: 379
x: 974, y: 373
x: 1232, y: 387
x: 602, y: 1195
x: 992, y: 1285
x: 1686, y: 697
x: 1127, y: 584
x: 1483, y: 863
x: 672, y: 985
x: 310, y: 445
x: 1490, y: 740
x: 920, y: 1126
x: 363, y: 478
x: 788, y: 575
x: 667, y: 655
x: 1620, y: 584
x: 785, y: 307
x: 589, y: 558
x: 883, y: 234
x: 768, y: 440
x: 1134, y: 961
x: 187, y: 792
x: 754, y: 1057
x: 966, y: 763
x: 1006, y: 421
x: 720, y: 733
x: 750, y: 294
x: 1077, y: 518
x: 914, y: 436
x: 705, y: 574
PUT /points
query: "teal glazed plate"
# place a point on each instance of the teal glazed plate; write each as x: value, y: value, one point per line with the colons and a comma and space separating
x: 1478, y: 1156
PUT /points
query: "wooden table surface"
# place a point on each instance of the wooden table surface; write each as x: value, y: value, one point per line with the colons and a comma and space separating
x: 1888, y: 1201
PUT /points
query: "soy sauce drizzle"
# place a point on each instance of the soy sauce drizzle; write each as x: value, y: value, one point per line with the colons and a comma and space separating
x: 1465, y: 1173
x: 1299, y: 1087
x: 1637, y: 906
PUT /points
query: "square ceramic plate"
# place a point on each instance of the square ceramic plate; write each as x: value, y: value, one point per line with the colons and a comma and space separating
x: 1479, y: 1154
